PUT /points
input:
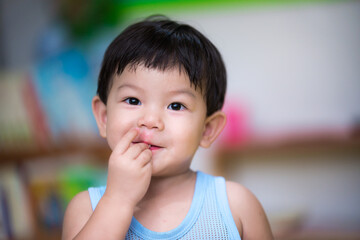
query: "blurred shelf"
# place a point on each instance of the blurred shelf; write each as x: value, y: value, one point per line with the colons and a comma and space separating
x: 22, y: 154
x: 16, y: 155
x: 285, y: 146
x: 304, y: 144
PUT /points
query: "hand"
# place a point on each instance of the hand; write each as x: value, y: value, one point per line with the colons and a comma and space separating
x: 129, y: 170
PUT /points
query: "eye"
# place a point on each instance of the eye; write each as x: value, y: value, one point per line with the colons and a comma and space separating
x: 176, y: 106
x: 132, y: 101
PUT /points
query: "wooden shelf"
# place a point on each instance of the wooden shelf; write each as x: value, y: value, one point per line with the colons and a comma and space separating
x: 280, y: 149
x: 97, y: 149
x: 24, y: 154
x: 304, y: 145
x: 307, y: 144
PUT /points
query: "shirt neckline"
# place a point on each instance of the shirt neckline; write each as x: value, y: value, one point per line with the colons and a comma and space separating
x: 187, y: 223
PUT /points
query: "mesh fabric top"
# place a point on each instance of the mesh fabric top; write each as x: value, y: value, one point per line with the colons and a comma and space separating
x: 209, y: 216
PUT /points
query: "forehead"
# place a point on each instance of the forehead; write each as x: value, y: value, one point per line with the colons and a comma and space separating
x: 172, y: 78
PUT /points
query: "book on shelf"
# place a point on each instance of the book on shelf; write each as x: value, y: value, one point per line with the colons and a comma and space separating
x: 49, y: 104
x: 54, y: 181
x: 15, y: 125
x: 5, y: 231
x: 65, y: 86
x: 37, y: 118
x: 16, y: 216
x: 34, y: 196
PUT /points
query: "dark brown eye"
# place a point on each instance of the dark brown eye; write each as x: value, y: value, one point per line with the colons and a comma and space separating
x: 133, y: 101
x: 176, y: 106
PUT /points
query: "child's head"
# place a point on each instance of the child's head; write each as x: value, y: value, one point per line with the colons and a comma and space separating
x: 159, y: 43
x: 167, y: 81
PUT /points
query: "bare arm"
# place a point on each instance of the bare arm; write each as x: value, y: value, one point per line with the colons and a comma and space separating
x: 248, y: 213
x: 129, y: 177
x: 108, y: 221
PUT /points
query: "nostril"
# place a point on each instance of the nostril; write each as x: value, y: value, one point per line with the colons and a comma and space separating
x: 150, y: 123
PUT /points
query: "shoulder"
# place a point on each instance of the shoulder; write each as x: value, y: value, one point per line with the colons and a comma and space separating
x: 76, y: 215
x: 247, y: 212
x: 241, y: 198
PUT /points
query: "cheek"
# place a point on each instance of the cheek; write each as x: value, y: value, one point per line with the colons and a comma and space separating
x: 189, y: 136
x: 117, y: 127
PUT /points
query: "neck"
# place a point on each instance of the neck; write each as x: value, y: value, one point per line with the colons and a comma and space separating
x: 166, y: 197
x: 165, y: 187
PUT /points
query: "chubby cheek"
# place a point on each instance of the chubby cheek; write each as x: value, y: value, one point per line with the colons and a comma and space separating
x: 188, y: 140
x: 117, y: 127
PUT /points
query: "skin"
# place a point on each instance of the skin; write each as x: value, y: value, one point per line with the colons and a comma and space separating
x: 154, y: 121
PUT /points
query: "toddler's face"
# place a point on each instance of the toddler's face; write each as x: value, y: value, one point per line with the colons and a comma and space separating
x: 169, y: 112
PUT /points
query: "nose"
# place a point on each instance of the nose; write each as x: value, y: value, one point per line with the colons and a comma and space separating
x: 151, y: 119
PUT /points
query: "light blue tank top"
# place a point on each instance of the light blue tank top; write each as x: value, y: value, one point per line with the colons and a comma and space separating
x: 209, y: 216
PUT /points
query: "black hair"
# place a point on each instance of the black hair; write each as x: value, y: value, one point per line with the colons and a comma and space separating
x: 160, y: 43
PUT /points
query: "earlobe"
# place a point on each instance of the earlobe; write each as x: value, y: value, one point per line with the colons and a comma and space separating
x: 213, y: 126
x: 100, y: 114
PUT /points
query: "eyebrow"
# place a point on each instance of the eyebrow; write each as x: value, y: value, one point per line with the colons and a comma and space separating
x: 183, y: 92
x: 177, y: 92
x: 128, y: 86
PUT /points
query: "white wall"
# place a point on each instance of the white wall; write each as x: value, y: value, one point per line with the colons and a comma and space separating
x: 294, y: 66
x: 297, y: 68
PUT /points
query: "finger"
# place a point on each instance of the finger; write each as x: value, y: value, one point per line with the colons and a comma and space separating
x: 126, y: 141
x: 135, y: 149
x: 144, y: 157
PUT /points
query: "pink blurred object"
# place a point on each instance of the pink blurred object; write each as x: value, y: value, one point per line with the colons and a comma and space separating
x: 237, y: 129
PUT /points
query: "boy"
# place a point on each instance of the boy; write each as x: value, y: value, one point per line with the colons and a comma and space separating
x: 160, y: 93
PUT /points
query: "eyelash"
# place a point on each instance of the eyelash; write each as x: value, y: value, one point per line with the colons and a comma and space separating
x: 135, y: 101
x: 182, y: 107
x: 129, y: 99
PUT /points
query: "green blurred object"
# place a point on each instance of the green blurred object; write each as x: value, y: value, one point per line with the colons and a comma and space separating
x: 169, y: 6
x: 85, y: 17
x: 75, y: 179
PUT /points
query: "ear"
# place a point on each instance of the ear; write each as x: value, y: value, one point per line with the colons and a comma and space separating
x: 100, y: 113
x: 214, y: 124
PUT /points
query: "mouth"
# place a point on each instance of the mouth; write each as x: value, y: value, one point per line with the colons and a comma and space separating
x: 151, y: 146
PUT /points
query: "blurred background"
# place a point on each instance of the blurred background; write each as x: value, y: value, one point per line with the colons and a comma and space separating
x: 293, y: 107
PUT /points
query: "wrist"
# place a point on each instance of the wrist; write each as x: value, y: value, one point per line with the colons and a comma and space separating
x: 116, y: 201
